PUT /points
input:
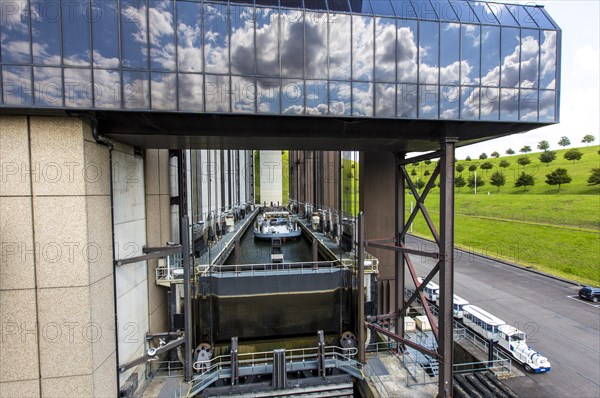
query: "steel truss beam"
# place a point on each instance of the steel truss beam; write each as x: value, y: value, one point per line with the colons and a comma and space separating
x: 443, y: 329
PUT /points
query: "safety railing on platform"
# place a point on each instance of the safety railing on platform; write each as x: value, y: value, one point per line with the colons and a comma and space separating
x: 301, y: 267
x: 171, y: 269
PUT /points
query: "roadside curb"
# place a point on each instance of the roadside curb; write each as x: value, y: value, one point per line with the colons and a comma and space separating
x: 514, y: 265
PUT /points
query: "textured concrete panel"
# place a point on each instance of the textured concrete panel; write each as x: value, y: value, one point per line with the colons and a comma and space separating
x: 97, y: 169
x: 61, y: 236
x: 19, y: 350
x: 65, y: 326
x: 99, y: 231
x: 69, y: 386
x: 151, y: 174
x: 14, y: 156
x: 153, y: 220
x: 163, y: 171
x: 24, y: 388
x: 128, y: 187
x: 57, y: 156
x: 271, y: 185
x: 158, y: 318
x: 105, y: 378
x: 16, y: 240
x: 102, y: 333
x: 165, y: 219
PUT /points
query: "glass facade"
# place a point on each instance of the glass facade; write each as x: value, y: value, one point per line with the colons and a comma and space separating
x: 424, y: 59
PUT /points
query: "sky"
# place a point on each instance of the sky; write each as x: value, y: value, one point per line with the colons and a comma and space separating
x: 580, y: 81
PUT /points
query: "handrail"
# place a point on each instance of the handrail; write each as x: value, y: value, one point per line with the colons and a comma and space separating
x: 266, y: 267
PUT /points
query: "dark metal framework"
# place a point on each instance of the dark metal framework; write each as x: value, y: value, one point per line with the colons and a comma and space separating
x: 444, y: 239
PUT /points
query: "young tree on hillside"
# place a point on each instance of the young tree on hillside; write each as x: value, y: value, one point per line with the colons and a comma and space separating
x: 415, y: 164
x: 459, y: 182
x: 487, y: 166
x: 543, y: 145
x: 573, y: 154
x: 497, y: 179
x: 483, y: 156
x: 413, y: 172
x: 419, y: 184
x: 427, y: 162
x: 594, y: 178
x: 525, y: 149
x: 504, y: 164
x: 472, y: 167
x: 564, y: 141
x: 547, y: 157
x: 525, y: 180
x: 495, y: 154
x: 588, y: 139
x: 426, y: 173
x: 468, y: 158
x: 523, y: 160
x: 471, y: 181
x: 459, y: 167
x: 509, y: 151
x: 558, y: 177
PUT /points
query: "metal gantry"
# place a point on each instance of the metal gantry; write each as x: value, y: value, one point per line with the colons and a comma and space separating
x: 444, y: 239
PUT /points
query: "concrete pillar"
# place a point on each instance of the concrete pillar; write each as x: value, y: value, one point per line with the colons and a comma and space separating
x: 56, y: 275
x: 377, y: 201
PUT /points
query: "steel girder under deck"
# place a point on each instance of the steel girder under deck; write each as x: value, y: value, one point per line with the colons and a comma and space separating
x: 444, y: 239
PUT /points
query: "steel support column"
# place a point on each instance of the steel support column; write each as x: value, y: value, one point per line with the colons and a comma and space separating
x: 399, y: 256
x: 446, y: 263
x: 360, y: 259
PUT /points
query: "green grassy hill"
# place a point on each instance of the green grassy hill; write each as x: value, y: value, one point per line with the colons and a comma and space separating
x: 556, y: 232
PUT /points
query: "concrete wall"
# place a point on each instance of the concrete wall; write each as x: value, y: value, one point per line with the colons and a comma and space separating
x: 271, y: 188
x: 56, y: 275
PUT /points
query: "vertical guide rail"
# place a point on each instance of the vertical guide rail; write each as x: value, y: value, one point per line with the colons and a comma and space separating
x: 360, y: 258
x: 399, y: 256
x: 446, y: 276
x: 185, y: 252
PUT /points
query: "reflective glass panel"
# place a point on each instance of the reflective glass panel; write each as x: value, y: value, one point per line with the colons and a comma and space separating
x: 162, y: 35
x: 45, y: 27
x: 509, y: 105
x: 105, y: 17
x: 107, y: 89
x: 338, y: 5
x: 522, y: 16
x: 424, y: 9
x: 292, y: 43
x: 530, y: 50
x: 268, y: 95
x: 339, y: 46
x: 242, y: 40
x: 403, y: 9
x: 428, y: 101
x: 471, y: 46
x: 502, y: 14
x: 163, y: 91
x: 469, y: 103
x: 362, y: 99
x: 216, y: 39
x: 191, y: 92
x: 135, y: 90
x: 339, y: 98
x: 292, y: 3
x: 75, y: 32
x: 547, y: 106
x: 382, y: 7
x: 444, y: 10
x: 490, y: 101
x: 217, y: 93
x: 134, y: 38
x: 79, y: 91
x: 385, y: 50
x: 292, y: 97
x: 14, y: 32
x: 385, y: 100
x: 449, y: 100
x: 483, y: 12
x: 189, y: 36
x: 464, y: 11
x: 449, y: 53
x: 48, y: 88
x: 528, y: 105
x: 538, y: 15
x: 244, y: 94
x: 316, y: 97
x: 361, y: 7
x: 407, y: 51
x: 315, y: 4
x: 274, y: 3
x: 316, y: 45
x: 490, y: 55
x: 428, y: 52
x: 548, y: 61
x: 362, y: 48
x: 267, y: 41
x: 510, y: 57
x: 16, y: 82
x: 407, y: 101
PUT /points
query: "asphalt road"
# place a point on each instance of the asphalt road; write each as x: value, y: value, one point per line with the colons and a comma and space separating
x: 559, y: 325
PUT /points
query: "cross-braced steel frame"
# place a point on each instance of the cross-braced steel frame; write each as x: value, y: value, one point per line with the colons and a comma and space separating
x: 444, y: 239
